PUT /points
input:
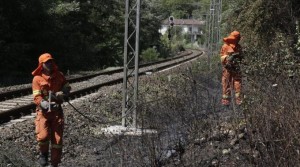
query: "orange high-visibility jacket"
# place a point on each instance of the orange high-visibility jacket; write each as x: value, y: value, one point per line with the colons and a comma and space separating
x: 42, y: 84
x: 230, y: 46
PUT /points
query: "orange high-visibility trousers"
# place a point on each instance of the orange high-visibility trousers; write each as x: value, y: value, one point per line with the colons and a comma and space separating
x: 49, y: 126
x: 231, y: 80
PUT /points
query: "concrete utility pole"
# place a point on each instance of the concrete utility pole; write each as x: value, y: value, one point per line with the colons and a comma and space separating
x: 131, y: 59
x: 213, y: 28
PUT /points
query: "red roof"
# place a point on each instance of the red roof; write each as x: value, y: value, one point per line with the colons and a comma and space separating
x: 184, y: 22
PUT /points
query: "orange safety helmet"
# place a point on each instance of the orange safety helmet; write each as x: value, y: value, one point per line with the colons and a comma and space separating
x: 233, y: 38
x: 230, y: 40
x: 236, y: 34
x: 45, y: 57
x: 42, y: 59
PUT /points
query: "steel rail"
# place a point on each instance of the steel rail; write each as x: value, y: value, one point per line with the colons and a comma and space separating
x: 27, y: 90
x: 6, y: 115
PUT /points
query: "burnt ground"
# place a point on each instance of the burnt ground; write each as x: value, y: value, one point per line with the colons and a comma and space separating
x: 183, y: 105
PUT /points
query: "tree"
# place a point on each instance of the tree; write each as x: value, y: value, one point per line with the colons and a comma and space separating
x: 185, y: 8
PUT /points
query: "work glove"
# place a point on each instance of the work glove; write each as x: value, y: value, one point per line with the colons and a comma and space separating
x: 44, y: 105
x: 60, y: 96
x: 228, y: 66
x: 233, y: 56
x: 230, y: 58
x: 56, y: 98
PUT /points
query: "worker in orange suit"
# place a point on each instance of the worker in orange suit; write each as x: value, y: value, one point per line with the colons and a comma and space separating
x: 49, y: 88
x: 231, y: 56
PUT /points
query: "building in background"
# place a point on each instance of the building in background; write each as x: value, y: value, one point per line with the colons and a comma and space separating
x: 189, y: 26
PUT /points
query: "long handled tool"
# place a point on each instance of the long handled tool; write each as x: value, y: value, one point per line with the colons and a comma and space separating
x: 49, y: 108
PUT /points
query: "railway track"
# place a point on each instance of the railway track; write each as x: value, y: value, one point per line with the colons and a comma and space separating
x: 19, y: 102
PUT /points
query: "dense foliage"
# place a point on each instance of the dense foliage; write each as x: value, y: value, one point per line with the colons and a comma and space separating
x: 270, y: 31
x: 81, y: 35
x: 185, y: 9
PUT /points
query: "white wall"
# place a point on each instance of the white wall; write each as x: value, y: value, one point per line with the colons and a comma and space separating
x: 185, y: 29
x: 163, y: 30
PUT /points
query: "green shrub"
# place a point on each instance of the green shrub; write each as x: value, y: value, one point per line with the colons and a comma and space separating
x: 149, y: 55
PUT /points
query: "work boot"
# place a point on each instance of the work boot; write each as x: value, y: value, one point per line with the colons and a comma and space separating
x: 43, y: 160
x: 225, y: 102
